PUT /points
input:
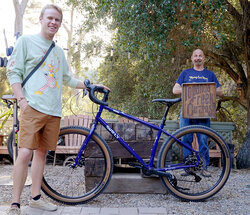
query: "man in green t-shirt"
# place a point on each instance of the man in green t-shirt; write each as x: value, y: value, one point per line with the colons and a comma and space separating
x: 40, y: 103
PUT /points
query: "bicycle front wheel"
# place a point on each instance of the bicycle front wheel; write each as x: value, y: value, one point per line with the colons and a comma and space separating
x: 210, y: 169
x: 77, y: 185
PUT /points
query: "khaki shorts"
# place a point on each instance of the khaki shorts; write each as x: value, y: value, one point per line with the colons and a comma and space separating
x: 38, y: 130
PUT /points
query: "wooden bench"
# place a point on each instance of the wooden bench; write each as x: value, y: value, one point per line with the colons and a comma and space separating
x: 138, y: 136
x: 5, y: 131
x: 1, y: 139
x: 224, y: 129
x: 3, y: 148
x: 213, y: 153
x: 141, y: 138
x: 73, y: 141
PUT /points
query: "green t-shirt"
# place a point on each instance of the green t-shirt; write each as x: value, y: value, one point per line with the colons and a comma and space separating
x: 44, y: 88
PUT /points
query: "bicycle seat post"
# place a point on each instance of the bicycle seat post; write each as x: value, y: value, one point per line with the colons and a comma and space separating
x: 163, y: 122
x: 168, y: 103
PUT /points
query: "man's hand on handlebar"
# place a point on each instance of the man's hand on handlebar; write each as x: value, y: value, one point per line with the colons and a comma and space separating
x: 92, y: 88
x: 101, y: 85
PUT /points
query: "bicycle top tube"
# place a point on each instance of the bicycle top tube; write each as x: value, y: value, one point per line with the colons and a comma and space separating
x: 9, y: 100
x: 8, y: 97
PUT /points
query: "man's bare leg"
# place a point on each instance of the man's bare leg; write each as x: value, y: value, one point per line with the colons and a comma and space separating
x: 20, y: 173
x: 37, y: 168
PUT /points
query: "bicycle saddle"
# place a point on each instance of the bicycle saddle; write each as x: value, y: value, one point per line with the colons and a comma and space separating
x: 168, y: 102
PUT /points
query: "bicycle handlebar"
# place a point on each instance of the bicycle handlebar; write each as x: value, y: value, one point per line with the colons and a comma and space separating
x: 8, y: 102
x: 95, y: 88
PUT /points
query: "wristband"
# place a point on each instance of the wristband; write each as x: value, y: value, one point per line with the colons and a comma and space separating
x: 20, y: 99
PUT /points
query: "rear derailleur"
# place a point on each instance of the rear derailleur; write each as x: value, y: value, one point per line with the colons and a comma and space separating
x: 193, y: 160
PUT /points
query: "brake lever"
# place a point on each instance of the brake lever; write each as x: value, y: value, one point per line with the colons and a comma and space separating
x: 85, y: 92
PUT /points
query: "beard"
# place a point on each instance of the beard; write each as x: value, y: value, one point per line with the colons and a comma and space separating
x: 198, y: 62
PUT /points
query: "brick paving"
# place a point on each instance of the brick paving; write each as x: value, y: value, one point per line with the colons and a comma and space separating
x: 71, y: 210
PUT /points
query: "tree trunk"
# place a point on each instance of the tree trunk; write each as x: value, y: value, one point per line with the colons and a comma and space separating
x: 243, y: 20
x: 19, y: 11
x: 243, y: 157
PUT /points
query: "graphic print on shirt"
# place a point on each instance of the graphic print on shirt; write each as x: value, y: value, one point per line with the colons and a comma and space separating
x: 50, y: 76
x: 198, y: 78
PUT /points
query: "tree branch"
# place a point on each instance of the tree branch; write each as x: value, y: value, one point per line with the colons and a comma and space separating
x: 66, y: 28
x: 235, y: 14
x: 23, y: 6
x: 231, y: 98
x: 239, y: 68
x: 18, y: 23
x: 222, y: 64
x: 243, y: 3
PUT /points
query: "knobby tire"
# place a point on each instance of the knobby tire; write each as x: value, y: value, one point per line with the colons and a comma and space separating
x: 78, y: 185
x: 183, y: 184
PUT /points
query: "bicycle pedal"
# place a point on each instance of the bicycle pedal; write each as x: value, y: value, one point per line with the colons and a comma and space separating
x: 165, y: 174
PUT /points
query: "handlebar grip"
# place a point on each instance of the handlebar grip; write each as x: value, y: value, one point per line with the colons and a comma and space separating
x: 86, y: 83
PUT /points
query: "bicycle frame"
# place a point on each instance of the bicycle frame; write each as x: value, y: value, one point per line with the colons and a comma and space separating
x: 12, y: 111
x: 160, y: 130
x: 7, y: 114
x: 189, y: 177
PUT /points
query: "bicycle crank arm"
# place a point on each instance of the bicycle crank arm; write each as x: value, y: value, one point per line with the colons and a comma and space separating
x: 155, y: 172
x: 151, y: 171
x: 136, y: 165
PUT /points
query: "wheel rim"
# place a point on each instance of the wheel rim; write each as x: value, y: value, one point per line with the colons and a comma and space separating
x: 186, y: 187
x: 78, y: 185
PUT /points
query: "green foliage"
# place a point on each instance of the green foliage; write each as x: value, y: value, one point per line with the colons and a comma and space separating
x: 231, y: 111
x: 135, y: 82
x: 155, y: 33
x: 4, y: 88
x: 74, y: 103
x: 162, y: 24
x: 4, y: 84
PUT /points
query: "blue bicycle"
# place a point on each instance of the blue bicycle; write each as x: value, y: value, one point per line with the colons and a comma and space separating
x: 86, y: 176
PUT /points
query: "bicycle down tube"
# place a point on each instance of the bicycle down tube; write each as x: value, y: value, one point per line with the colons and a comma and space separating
x: 6, y: 116
x: 15, y: 127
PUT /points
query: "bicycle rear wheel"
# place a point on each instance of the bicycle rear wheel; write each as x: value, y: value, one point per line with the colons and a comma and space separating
x: 77, y: 185
x: 205, y: 179
x: 10, y: 145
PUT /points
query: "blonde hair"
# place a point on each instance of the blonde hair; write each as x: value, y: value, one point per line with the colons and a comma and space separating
x: 49, y: 6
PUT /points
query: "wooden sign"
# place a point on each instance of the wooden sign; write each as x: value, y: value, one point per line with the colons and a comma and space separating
x: 199, y: 100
